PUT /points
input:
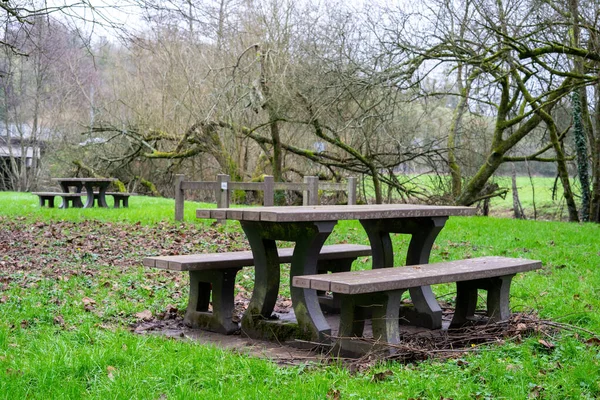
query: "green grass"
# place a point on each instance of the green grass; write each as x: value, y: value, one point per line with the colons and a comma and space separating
x: 141, y: 209
x: 537, y: 196
x: 52, y: 347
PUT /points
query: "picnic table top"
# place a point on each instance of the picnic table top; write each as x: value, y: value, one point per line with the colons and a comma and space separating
x: 84, y: 179
x: 334, y: 212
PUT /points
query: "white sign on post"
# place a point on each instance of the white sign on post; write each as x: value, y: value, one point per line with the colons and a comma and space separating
x: 223, y: 185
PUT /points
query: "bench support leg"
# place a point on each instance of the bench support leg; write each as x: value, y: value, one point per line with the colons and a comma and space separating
x: 384, y: 310
x: 426, y: 311
x: 498, y: 291
x: 222, y: 283
x: 46, y: 199
x: 119, y: 199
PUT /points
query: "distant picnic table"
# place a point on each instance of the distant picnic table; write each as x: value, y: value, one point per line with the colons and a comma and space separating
x: 72, y: 192
x: 95, y: 188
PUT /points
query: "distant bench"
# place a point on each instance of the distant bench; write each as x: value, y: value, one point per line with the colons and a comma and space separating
x: 74, y: 199
x: 376, y: 294
x: 215, y: 272
x: 119, y: 198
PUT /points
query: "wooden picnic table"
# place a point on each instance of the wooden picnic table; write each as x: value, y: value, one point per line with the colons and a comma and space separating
x: 95, y: 189
x: 308, y: 228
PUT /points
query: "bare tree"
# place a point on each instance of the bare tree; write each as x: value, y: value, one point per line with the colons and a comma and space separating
x: 512, y: 79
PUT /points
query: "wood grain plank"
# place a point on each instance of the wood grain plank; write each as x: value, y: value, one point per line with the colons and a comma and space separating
x: 383, y: 279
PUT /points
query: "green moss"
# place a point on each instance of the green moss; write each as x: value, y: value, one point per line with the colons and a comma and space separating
x: 273, y: 330
x: 238, y: 196
x: 120, y: 186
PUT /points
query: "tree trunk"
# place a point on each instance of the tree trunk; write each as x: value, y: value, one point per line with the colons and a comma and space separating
x: 517, y: 207
x: 563, y: 173
x: 453, y: 135
x: 582, y: 157
x: 578, y: 117
x: 273, y: 116
x: 476, y: 183
x: 377, y: 186
x: 595, y: 198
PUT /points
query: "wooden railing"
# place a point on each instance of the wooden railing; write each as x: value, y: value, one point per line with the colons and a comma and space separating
x: 222, y: 188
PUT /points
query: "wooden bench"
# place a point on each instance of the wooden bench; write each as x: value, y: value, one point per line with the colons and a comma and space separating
x: 74, y: 199
x: 119, y: 198
x: 377, y: 293
x: 215, y: 272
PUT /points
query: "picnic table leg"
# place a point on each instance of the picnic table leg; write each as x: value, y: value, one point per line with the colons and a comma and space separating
x: 262, y: 236
x: 423, y: 231
x: 311, y: 321
x: 429, y: 313
x: 102, y: 194
x: 266, y: 279
x: 65, y: 187
x: 89, y: 190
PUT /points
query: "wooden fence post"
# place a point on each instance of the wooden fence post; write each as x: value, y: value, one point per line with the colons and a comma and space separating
x: 222, y: 191
x: 179, y: 197
x: 352, y: 190
x: 268, y: 191
x: 310, y: 197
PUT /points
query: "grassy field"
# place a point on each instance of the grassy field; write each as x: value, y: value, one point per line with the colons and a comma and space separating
x: 537, y: 194
x: 66, y: 310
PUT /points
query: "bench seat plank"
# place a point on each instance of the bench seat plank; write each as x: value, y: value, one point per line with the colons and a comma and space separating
x: 377, y: 293
x: 384, y: 279
x: 62, y: 194
x: 212, y: 280
x: 238, y: 259
x: 48, y: 198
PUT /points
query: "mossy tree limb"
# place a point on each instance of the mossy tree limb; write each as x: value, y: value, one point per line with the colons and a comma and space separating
x: 149, y: 185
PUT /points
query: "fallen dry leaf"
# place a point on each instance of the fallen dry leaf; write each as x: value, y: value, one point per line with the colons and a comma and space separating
x: 546, y: 344
x: 536, y: 392
x: 145, y: 315
x: 111, y: 371
x: 334, y: 394
x: 593, y: 341
x: 381, y: 376
x: 88, y: 301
